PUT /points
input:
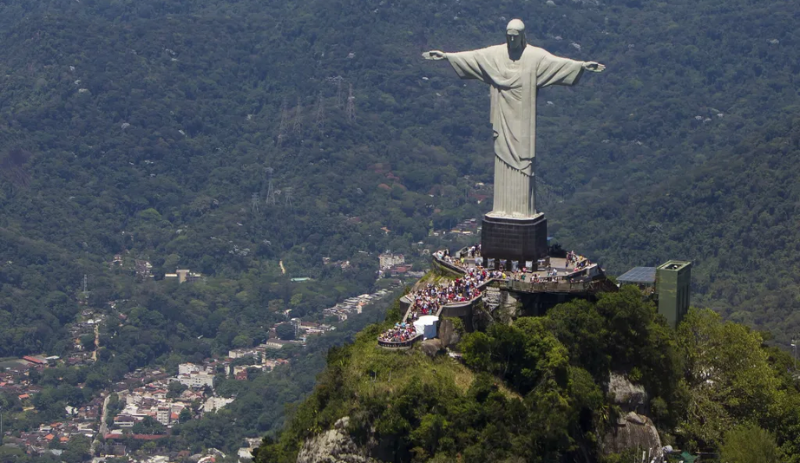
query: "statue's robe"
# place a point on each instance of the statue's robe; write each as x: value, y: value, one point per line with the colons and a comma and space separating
x: 514, y: 87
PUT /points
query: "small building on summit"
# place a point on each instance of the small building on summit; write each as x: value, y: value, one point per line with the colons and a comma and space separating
x: 643, y: 277
x: 671, y: 283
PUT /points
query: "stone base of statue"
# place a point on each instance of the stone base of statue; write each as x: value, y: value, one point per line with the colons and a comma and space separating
x: 517, y: 240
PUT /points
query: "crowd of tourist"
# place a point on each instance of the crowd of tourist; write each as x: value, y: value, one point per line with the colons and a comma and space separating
x: 470, y: 266
x: 474, y: 251
x: 549, y: 277
x: 461, y: 262
x: 429, y: 299
x: 573, y: 263
x: 401, y: 332
x: 578, y: 261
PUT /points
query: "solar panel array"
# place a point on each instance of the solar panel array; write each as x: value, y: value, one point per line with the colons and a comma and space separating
x: 639, y: 275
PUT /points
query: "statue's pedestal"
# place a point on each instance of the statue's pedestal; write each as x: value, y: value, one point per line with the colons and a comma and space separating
x: 511, y: 239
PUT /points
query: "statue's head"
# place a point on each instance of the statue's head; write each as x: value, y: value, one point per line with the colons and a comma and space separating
x: 515, y: 34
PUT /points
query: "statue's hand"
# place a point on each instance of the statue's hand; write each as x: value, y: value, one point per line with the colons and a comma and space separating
x: 435, y: 55
x: 593, y: 66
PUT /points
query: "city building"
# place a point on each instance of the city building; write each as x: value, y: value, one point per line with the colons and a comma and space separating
x: 188, y: 368
x: 387, y: 259
x: 184, y: 275
x: 274, y: 343
x: 164, y: 414
x: 215, y: 403
x: 196, y: 379
x: 124, y: 421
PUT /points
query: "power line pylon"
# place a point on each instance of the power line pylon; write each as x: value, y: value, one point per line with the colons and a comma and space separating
x: 270, y: 199
x: 337, y: 81
x: 351, y: 105
x: 297, y: 125
x: 319, y: 116
x: 287, y: 196
x: 283, y: 126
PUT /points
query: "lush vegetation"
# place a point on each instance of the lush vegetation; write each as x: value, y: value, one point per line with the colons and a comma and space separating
x: 125, y: 129
x: 535, y: 389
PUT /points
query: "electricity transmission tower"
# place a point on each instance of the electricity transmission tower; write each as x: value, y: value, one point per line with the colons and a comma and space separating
x: 283, y: 126
x: 287, y: 197
x: 254, y: 202
x: 351, y: 106
x: 297, y: 126
x: 319, y: 117
x: 337, y: 80
x: 270, y: 191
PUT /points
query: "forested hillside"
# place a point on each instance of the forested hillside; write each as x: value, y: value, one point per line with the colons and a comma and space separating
x: 154, y: 128
x: 735, y: 214
x: 537, y: 390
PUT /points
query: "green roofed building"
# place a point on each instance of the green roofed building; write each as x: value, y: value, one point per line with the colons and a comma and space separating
x: 673, y: 281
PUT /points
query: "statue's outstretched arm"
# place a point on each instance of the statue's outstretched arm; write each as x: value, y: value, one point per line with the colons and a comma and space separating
x: 593, y: 66
x: 435, y: 55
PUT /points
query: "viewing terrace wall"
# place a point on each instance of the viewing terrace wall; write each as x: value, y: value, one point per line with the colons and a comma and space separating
x: 403, y: 345
x: 536, y: 297
x: 461, y: 310
x: 550, y: 286
x: 445, y: 269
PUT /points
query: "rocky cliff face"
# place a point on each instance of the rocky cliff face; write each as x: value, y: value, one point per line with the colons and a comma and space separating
x: 628, y: 396
x: 334, y: 446
x: 448, y: 334
x: 632, y: 429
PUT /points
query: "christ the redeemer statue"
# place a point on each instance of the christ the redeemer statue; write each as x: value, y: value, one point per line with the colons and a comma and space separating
x: 515, y: 71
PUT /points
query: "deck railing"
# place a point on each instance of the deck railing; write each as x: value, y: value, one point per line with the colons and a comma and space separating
x: 410, y: 310
x: 561, y: 285
x: 399, y: 344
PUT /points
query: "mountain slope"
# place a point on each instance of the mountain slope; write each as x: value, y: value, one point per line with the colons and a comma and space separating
x: 539, y: 390
x: 735, y: 217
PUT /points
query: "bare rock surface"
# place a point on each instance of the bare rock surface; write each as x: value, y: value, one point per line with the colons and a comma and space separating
x: 629, y: 396
x: 632, y: 429
x: 448, y: 334
x: 432, y: 347
x: 334, y: 446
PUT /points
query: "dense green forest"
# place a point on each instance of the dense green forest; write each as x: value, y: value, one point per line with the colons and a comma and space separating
x: 153, y: 129
x: 536, y: 390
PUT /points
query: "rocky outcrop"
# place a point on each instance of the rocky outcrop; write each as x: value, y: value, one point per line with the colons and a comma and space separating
x: 481, y: 319
x: 432, y: 347
x: 448, y: 334
x: 334, y: 446
x: 632, y: 429
x: 628, y: 396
